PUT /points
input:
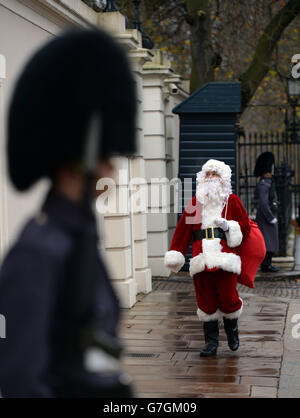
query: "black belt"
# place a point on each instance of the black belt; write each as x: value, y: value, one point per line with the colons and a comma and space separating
x: 209, y: 233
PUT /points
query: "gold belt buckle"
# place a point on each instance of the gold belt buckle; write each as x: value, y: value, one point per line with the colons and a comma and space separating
x: 212, y: 233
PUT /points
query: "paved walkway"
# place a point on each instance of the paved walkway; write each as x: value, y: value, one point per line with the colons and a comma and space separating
x: 163, y: 338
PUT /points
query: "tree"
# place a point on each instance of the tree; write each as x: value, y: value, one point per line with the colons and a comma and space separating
x: 266, y: 45
x: 238, y: 40
x: 205, y: 59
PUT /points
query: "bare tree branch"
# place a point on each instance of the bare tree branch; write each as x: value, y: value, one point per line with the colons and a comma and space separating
x: 261, y: 62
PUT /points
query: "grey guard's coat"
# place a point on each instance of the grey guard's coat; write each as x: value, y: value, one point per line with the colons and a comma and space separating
x: 265, y: 214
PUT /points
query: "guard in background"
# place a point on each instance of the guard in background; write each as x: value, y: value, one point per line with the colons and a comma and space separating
x: 76, y: 93
x: 267, y: 208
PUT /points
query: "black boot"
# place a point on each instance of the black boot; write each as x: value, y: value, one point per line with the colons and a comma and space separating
x: 211, y: 335
x: 232, y: 332
x: 266, y: 266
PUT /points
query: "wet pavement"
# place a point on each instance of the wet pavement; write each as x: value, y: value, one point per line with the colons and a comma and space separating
x: 272, y: 286
x: 163, y: 339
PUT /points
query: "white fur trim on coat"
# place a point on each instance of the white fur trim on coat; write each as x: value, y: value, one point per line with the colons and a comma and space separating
x: 174, y: 260
x: 197, y: 264
x: 206, y: 317
x: 212, y: 256
x: 234, y: 235
x: 235, y: 314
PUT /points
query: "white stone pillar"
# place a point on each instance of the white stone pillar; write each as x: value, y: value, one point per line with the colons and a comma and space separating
x: 174, y: 95
x: 155, y: 74
x: 3, y: 184
x: 118, y: 227
x: 118, y: 238
x: 125, y: 232
x: 143, y: 276
x: 112, y: 22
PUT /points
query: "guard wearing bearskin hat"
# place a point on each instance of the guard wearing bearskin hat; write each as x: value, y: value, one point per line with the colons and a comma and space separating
x: 216, y: 234
x: 73, y: 107
x: 267, y: 208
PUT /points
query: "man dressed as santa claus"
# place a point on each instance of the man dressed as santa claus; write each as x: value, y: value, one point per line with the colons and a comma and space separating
x: 215, y: 264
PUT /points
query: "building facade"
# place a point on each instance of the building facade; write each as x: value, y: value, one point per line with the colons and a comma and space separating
x: 134, y: 237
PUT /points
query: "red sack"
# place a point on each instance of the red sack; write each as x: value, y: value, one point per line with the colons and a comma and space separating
x: 252, y: 253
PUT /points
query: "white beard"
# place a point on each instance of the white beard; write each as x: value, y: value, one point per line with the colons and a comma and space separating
x: 211, y: 194
x: 210, y: 212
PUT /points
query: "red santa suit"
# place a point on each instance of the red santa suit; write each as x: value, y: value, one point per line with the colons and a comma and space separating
x: 215, y: 262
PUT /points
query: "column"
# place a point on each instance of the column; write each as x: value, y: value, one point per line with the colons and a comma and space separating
x: 3, y: 201
x: 143, y: 277
x: 154, y: 74
x: 125, y: 232
x: 174, y: 95
x: 118, y: 238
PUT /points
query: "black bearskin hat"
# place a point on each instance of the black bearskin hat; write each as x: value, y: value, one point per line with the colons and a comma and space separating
x: 71, y: 78
x: 264, y: 164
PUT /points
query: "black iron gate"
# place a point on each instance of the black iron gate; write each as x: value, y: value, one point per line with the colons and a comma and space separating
x: 287, y: 176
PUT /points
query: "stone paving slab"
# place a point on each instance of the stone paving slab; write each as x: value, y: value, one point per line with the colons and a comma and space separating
x: 163, y: 338
x: 289, y: 385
